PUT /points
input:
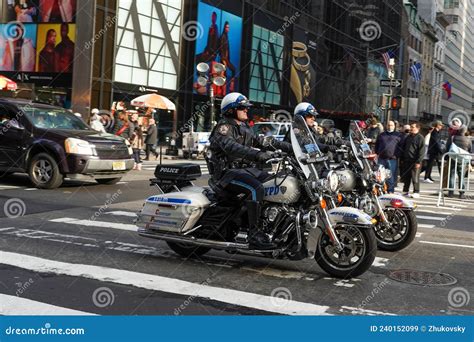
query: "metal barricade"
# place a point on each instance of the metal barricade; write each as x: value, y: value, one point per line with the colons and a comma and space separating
x: 455, y: 174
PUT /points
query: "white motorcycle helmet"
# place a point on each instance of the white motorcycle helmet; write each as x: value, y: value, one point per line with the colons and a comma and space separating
x: 305, y: 109
x: 233, y: 101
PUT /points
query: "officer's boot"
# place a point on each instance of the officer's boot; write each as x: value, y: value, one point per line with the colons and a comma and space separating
x: 257, y: 238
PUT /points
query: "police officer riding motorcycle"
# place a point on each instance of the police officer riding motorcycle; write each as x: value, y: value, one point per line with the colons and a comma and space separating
x: 232, y: 160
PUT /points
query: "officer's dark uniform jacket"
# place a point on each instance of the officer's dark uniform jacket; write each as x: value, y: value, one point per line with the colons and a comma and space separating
x: 235, y: 146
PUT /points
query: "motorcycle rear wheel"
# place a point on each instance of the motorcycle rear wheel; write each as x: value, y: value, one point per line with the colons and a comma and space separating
x: 360, y: 249
x: 187, y: 250
x: 403, y: 225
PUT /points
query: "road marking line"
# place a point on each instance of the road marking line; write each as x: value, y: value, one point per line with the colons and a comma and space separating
x: 6, y: 229
x: 9, y: 187
x: 418, y: 235
x: 93, y: 223
x: 31, y: 189
x: 446, y: 244
x: 440, y: 207
x: 429, y: 226
x: 121, y: 213
x: 434, y: 218
x: 17, y: 306
x: 380, y: 262
x: 434, y: 212
x: 164, y: 284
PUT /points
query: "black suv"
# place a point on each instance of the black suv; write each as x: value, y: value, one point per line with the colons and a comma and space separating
x: 51, y: 144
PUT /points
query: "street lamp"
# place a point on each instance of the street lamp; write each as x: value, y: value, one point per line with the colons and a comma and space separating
x: 215, y: 78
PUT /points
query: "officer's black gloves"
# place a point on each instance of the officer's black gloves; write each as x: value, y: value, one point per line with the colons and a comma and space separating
x: 264, y: 156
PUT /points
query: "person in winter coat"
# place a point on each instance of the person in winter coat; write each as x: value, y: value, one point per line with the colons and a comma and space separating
x: 373, y: 132
x: 151, y: 139
x: 412, y: 157
x: 96, y: 124
x: 388, y: 148
x: 137, y: 145
x: 434, y: 150
x: 461, y: 139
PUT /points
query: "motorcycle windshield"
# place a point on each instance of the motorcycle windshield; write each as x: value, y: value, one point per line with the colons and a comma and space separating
x: 305, y: 148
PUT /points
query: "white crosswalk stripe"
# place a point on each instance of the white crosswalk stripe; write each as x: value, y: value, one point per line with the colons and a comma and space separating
x: 160, y: 283
x: 16, y: 306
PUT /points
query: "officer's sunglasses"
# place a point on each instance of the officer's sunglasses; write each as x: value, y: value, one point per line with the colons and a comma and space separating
x: 242, y: 108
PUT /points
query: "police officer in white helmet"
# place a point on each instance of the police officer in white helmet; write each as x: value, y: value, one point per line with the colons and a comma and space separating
x: 234, y: 151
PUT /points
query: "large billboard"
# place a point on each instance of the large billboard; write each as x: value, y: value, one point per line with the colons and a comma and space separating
x: 266, y: 65
x: 148, y: 36
x: 303, y: 67
x: 220, y: 42
x: 37, y: 40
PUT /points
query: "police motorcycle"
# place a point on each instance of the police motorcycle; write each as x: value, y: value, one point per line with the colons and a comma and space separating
x: 193, y: 220
x: 363, y: 187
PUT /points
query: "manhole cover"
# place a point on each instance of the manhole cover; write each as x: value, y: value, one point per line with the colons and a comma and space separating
x: 422, y: 278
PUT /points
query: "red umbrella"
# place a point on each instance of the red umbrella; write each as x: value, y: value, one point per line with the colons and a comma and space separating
x: 7, y: 84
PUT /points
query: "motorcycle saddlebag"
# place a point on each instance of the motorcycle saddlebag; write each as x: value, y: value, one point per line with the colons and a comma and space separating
x: 178, y: 172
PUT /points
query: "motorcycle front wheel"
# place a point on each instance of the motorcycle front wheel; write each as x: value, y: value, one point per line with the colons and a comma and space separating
x: 400, y: 232
x: 358, y: 253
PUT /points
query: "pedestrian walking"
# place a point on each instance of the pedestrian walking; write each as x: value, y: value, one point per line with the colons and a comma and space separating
x: 151, y: 139
x: 388, y: 148
x: 122, y: 126
x: 413, y: 153
x: 137, y: 145
x: 435, y: 151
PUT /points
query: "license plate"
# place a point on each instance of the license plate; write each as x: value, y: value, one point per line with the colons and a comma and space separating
x: 118, y: 165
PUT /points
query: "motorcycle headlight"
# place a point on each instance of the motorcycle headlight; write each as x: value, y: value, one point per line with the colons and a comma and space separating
x: 332, y: 181
x: 381, y: 174
x: 78, y: 146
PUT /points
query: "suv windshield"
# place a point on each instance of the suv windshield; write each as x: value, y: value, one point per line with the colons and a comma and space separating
x: 52, y: 118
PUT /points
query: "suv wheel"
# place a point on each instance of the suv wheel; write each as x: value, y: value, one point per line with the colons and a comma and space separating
x: 108, y: 181
x: 44, y: 172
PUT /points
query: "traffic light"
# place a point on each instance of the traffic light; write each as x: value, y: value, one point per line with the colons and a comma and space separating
x: 396, y: 103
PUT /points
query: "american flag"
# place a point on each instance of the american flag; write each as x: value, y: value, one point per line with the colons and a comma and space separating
x: 415, y: 71
x: 386, y: 58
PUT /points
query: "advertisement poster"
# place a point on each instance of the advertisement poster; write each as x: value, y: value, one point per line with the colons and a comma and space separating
x: 55, y: 52
x: 303, y: 67
x: 17, y: 47
x: 220, y: 42
x: 40, y: 11
x: 266, y: 66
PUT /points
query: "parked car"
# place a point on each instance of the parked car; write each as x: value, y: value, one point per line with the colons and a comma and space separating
x: 51, y: 145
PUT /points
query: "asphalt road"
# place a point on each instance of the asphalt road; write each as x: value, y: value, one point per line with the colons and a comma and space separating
x: 74, y: 250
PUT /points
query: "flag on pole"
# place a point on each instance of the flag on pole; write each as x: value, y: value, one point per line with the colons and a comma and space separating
x: 415, y: 71
x: 386, y: 58
x: 447, y: 86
